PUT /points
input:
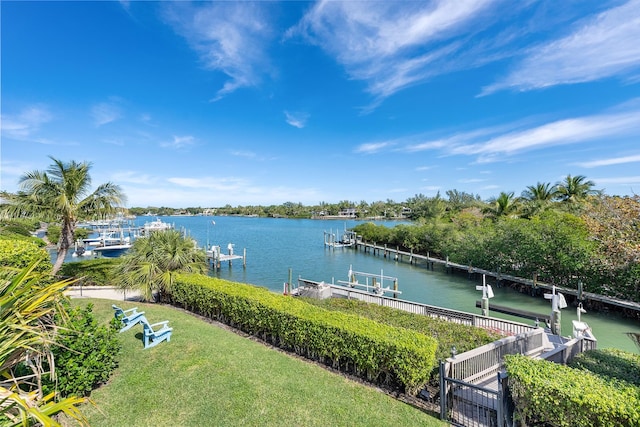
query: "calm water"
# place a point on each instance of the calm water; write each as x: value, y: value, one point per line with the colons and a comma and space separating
x: 273, y: 246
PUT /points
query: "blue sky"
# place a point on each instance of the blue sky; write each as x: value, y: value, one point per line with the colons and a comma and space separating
x: 242, y: 103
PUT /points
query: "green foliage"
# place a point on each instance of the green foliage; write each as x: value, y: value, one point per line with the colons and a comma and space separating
x: 377, y: 352
x: 28, y: 303
x: 81, y: 233
x: 53, y: 233
x: 610, y: 363
x: 153, y: 261
x: 92, y: 272
x: 62, y: 194
x: 22, y: 253
x: 85, y: 356
x: 447, y: 334
x: 551, y: 394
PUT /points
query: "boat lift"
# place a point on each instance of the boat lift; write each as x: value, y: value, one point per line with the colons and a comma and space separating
x: 377, y: 282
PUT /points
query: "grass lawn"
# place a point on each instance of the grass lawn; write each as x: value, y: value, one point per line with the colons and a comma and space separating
x: 209, y: 376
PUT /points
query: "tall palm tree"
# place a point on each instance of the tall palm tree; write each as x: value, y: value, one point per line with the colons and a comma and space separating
x: 152, y: 262
x: 26, y: 334
x: 541, y: 192
x: 537, y: 197
x: 505, y: 204
x: 575, y: 188
x: 62, y: 194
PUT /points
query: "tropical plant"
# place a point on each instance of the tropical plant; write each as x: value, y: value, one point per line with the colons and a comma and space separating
x: 152, y: 262
x: 27, y: 332
x: 86, y: 355
x: 505, y: 204
x: 575, y: 188
x: 61, y: 194
x: 541, y: 192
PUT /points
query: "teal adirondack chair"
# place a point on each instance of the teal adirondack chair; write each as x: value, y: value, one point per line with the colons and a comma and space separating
x: 129, y: 318
x: 152, y: 337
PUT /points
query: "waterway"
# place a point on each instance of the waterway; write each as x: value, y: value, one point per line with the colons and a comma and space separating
x: 275, y: 245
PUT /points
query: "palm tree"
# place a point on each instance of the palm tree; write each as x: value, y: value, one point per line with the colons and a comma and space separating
x: 152, y: 262
x: 575, y: 188
x: 504, y: 205
x: 26, y: 334
x: 61, y: 194
x: 541, y: 192
x: 538, y: 197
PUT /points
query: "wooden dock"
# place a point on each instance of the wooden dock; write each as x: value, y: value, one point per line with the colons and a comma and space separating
x: 430, y: 262
x: 215, y: 257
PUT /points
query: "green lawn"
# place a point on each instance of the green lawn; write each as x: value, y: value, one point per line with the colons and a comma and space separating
x: 209, y: 376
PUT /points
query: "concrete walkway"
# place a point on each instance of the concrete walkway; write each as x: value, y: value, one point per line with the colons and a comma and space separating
x: 102, y: 292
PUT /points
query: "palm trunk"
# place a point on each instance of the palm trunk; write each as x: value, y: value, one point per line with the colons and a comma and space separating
x: 66, y: 241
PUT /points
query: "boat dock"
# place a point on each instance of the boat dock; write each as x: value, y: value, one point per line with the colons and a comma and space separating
x: 449, y: 266
x: 215, y: 257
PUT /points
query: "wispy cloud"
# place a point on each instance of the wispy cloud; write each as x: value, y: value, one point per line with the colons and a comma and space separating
x: 609, y: 162
x: 211, y: 183
x: 179, y: 142
x: 26, y: 124
x: 602, y: 46
x: 132, y: 177
x: 393, y: 45
x: 105, y: 112
x: 493, y: 144
x: 373, y: 147
x: 246, y: 154
x: 230, y: 37
x: 296, y: 119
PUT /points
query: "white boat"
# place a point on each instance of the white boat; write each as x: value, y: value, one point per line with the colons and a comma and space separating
x: 112, y: 251
x: 157, y: 225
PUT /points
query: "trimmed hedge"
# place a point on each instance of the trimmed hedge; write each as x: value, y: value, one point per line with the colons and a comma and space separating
x: 91, y: 272
x: 380, y: 353
x: 610, y: 363
x: 22, y: 253
x: 551, y: 394
x: 448, y: 334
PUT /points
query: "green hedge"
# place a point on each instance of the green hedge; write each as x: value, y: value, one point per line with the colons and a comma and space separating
x: 380, y: 353
x: 448, y: 334
x: 547, y: 393
x: 92, y: 272
x: 610, y: 363
x: 21, y: 253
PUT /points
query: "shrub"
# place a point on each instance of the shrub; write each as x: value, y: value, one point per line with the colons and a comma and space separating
x: 86, y: 355
x: 53, y: 233
x: 448, y: 334
x: 610, y: 363
x: 22, y: 253
x: 92, y: 272
x: 547, y: 393
x: 377, y: 352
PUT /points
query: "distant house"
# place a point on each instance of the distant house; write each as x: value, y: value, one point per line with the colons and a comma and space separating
x: 348, y: 213
x: 405, y: 212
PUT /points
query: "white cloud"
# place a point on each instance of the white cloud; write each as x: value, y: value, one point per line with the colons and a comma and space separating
x: 179, y: 142
x: 105, y: 112
x: 599, y: 47
x: 393, y: 45
x: 373, y: 147
x: 230, y: 37
x: 611, y: 161
x: 246, y: 154
x: 26, y: 123
x: 296, y: 119
x: 499, y: 143
x: 132, y: 178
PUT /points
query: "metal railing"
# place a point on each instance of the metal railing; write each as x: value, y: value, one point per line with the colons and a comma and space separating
x: 499, y: 325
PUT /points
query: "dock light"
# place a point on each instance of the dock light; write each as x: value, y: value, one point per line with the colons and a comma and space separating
x: 580, y: 310
x: 454, y: 351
